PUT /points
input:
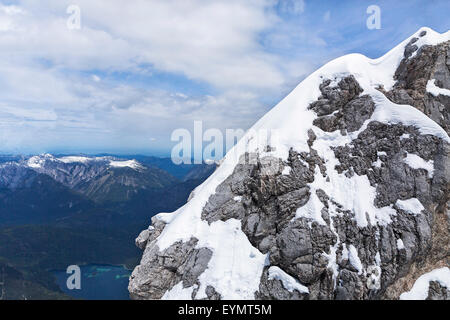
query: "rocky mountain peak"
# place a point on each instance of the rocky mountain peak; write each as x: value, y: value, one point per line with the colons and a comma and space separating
x: 349, y: 202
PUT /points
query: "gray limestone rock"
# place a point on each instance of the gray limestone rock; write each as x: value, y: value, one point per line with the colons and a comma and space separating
x: 438, y: 292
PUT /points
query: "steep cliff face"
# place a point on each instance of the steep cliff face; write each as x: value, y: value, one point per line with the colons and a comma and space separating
x: 345, y: 197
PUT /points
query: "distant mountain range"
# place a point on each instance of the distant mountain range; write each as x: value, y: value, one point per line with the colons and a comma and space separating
x: 43, y: 188
x: 58, y: 210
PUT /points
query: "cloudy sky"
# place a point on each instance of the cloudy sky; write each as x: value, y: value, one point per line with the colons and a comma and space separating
x: 136, y: 70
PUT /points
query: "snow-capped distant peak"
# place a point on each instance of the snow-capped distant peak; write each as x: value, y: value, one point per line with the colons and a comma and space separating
x: 34, y: 162
x: 133, y: 164
x: 38, y: 161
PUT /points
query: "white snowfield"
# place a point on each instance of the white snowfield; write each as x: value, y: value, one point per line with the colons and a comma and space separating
x: 420, y: 289
x: 75, y: 159
x: 133, y: 164
x: 37, y: 162
x: 236, y: 266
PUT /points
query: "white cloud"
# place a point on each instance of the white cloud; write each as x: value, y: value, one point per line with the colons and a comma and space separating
x: 58, y: 88
x: 230, y: 61
x: 26, y: 114
x: 211, y: 41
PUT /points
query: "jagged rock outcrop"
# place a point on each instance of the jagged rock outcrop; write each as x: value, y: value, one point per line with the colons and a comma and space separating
x: 438, y: 292
x: 355, y: 207
x: 413, y: 75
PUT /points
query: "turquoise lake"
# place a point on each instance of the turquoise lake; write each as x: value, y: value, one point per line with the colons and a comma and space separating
x: 98, y: 282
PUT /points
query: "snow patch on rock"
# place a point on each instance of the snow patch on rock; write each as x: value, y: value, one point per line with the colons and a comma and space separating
x: 289, y: 283
x: 286, y: 171
x: 435, y: 90
x: 178, y: 293
x: 412, y: 206
x: 405, y: 136
x: 237, y: 198
x: 354, y: 194
x: 235, y: 267
x: 416, y: 162
x: 354, y: 259
x: 400, y: 244
x: 420, y: 289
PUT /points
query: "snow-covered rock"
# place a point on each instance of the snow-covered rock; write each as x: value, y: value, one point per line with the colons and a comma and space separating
x: 438, y: 278
x: 327, y: 201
